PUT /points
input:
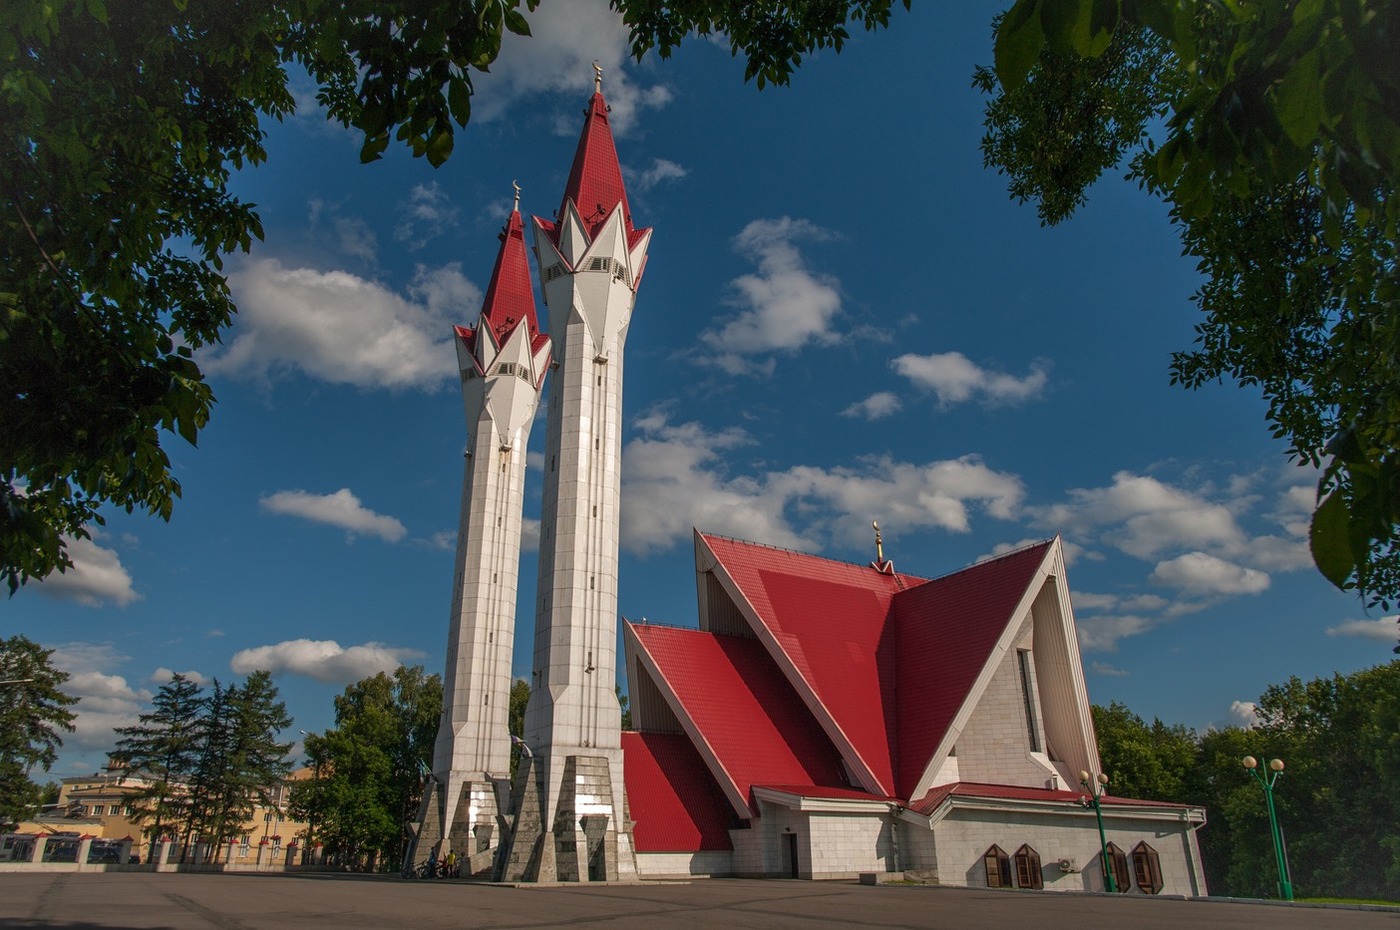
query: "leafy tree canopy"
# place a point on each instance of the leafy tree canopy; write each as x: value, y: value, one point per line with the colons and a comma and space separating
x: 1272, y: 130
x: 33, y: 713
x: 121, y: 128
x: 367, y: 769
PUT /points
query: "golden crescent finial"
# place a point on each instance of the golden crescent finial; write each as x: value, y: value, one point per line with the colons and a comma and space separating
x: 516, y: 185
x: 879, y: 543
x: 597, y: 77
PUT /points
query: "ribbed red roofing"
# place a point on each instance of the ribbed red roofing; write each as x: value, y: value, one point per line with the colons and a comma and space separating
x: 750, y: 717
x: 945, y: 630
x: 595, y: 180
x: 510, y: 298
x: 829, y: 618
x: 671, y: 795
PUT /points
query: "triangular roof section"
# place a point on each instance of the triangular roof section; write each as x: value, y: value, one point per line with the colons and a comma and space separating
x: 825, y: 623
x: 951, y: 633
x: 677, y: 804
x: 743, y: 718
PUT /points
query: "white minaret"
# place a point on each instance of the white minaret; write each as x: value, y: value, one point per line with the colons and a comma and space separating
x: 571, y: 811
x: 503, y: 361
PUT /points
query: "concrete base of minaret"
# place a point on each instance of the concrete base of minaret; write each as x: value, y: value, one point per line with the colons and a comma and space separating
x: 475, y: 831
x: 588, y: 837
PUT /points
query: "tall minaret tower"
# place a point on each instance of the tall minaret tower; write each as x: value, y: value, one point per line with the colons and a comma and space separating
x: 503, y: 361
x: 571, y: 811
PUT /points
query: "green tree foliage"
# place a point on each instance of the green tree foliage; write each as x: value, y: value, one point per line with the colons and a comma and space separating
x: 1337, y: 803
x: 163, y: 748
x: 240, y: 758
x: 368, y: 768
x: 1276, y: 152
x: 121, y: 127
x: 773, y: 35
x: 33, y: 713
x: 515, y: 719
x: 1143, y: 761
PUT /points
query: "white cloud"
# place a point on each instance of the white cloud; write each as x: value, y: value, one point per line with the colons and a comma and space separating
x: 557, y: 57
x: 1144, y: 516
x: 1382, y: 629
x: 1072, y: 551
x: 353, y: 235
x: 1103, y: 668
x: 105, y: 700
x: 342, y: 509
x: 1101, y: 634
x: 96, y: 576
x: 1201, y: 574
x: 954, y: 378
x: 323, y: 660
x: 785, y: 306
x: 162, y: 675
x: 426, y: 213
x: 1244, y: 714
x: 875, y: 407
x: 1084, y: 600
x: 344, y: 329
x: 673, y: 479
x: 529, y: 534
x: 660, y: 170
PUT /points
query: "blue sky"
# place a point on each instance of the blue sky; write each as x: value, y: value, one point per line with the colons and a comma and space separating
x: 844, y: 318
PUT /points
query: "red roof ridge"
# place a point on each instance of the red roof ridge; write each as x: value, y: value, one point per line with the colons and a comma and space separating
x: 899, y: 577
x: 1009, y: 553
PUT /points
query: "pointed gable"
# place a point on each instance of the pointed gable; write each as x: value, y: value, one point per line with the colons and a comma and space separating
x: 827, y: 624
x: 946, y: 630
x: 510, y: 297
x: 744, y: 718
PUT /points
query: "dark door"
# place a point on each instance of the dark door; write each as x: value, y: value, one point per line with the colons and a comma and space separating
x: 791, y: 839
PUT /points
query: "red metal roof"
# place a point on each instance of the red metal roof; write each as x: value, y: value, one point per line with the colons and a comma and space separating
x: 510, y: 297
x: 753, y: 722
x: 595, y: 180
x: 830, y: 620
x: 945, y: 630
x: 671, y: 795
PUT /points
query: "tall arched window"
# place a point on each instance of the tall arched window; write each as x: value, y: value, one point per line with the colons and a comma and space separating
x: 1147, y: 869
x: 1028, y: 873
x: 1119, y: 861
x: 998, y: 865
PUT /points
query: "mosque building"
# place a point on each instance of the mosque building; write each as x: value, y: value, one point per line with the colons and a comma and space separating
x: 825, y: 719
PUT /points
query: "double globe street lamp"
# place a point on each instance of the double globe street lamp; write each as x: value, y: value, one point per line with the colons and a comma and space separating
x: 1251, y: 764
x: 1096, y: 790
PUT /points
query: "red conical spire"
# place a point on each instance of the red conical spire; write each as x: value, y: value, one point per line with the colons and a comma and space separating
x: 510, y: 298
x: 595, y: 181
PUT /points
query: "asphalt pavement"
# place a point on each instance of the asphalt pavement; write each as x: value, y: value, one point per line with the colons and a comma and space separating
x: 112, y: 900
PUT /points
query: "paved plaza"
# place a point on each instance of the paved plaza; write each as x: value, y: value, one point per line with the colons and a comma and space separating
x: 237, y: 902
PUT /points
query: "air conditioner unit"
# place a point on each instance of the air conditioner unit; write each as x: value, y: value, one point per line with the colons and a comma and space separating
x: 1068, y: 865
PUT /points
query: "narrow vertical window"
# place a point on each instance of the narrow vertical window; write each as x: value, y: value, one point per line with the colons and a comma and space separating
x: 1028, y: 871
x: 998, y: 866
x: 1147, y: 869
x: 1119, y: 862
x: 1023, y: 657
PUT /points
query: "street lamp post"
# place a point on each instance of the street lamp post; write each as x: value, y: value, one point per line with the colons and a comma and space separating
x: 1251, y: 764
x: 1096, y: 789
